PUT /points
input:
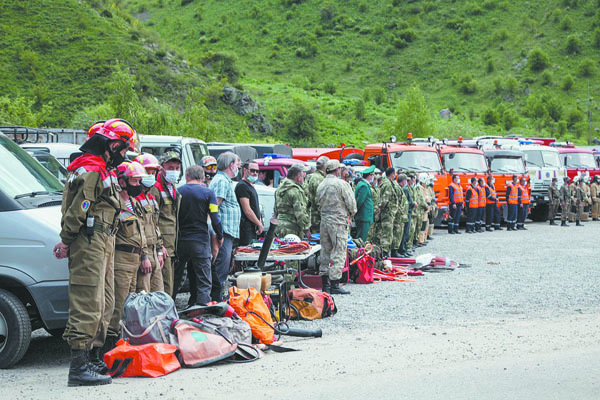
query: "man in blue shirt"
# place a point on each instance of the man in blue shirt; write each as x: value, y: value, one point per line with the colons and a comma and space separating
x: 194, y: 246
x: 230, y: 214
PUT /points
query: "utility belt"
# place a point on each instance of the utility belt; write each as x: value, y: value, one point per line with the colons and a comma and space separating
x: 110, y: 230
x: 125, y: 248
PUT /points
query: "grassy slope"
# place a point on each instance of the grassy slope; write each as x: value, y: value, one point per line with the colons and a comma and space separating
x: 65, y: 52
x: 355, y: 52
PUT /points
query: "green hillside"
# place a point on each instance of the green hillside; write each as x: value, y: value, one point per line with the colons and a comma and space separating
x: 320, y: 72
x: 68, y: 63
x: 350, y: 62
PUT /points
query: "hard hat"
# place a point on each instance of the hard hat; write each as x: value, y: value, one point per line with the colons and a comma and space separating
x: 423, y: 177
x: 170, y: 156
x: 117, y: 129
x: 148, y: 161
x: 291, y: 238
x: 208, y: 160
x: 131, y: 169
x: 96, y: 126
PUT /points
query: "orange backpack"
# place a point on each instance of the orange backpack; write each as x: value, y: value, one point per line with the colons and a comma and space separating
x: 250, y: 306
x: 150, y: 359
x: 309, y: 304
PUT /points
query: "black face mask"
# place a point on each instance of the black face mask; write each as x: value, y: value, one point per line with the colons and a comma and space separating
x: 116, y: 157
x: 133, y: 191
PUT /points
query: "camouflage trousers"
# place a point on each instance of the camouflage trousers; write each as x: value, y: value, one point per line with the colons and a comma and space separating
x: 398, y: 230
x: 334, y: 241
x: 552, y: 209
x: 595, y: 209
x: 91, y: 299
x: 564, y: 212
x: 384, y: 234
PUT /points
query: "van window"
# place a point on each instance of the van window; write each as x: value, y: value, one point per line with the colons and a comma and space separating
x: 21, y: 175
x: 198, y: 150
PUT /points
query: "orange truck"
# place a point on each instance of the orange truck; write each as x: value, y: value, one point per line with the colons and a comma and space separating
x: 465, y: 162
x: 413, y: 157
x: 339, y: 153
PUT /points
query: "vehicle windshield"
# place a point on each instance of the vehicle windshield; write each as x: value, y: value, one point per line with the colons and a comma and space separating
x: 542, y: 159
x: 421, y: 161
x: 198, y: 151
x: 21, y: 175
x: 465, y: 162
x: 579, y: 160
x: 52, y: 165
x: 507, y: 165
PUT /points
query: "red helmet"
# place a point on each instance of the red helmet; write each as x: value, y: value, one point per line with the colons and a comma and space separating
x: 148, y: 161
x: 117, y: 129
x: 96, y: 126
x: 131, y: 169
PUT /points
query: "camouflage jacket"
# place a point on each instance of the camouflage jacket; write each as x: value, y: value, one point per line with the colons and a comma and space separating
x: 291, y: 209
x: 311, y: 194
x: 388, y: 200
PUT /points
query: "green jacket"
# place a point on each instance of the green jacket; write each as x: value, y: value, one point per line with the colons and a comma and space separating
x: 313, y: 200
x: 403, y: 206
x: 388, y: 200
x: 364, y: 202
x: 291, y: 209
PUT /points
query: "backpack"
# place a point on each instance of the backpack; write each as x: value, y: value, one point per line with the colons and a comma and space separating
x: 251, y: 307
x: 362, y: 270
x: 147, y: 318
x: 151, y: 360
x: 309, y: 304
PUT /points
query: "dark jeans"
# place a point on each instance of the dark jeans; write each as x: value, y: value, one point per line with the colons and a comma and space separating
x: 512, y: 214
x: 247, y: 234
x: 196, y: 257
x: 522, y: 214
x: 471, y: 218
x: 220, y: 268
x: 405, y: 234
x: 492, y: 215
x: 454, y: 222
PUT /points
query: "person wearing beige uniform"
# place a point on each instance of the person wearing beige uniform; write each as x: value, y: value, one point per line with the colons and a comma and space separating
x: 338, y: 206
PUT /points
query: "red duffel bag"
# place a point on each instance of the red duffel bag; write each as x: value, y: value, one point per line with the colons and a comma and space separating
x: 150, y: 359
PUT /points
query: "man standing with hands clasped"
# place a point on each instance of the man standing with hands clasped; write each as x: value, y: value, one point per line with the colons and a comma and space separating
x: 250, y: 225
x: 337, y: 205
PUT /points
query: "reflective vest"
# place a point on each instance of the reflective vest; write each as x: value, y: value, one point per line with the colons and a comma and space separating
x: 513, y: 197
x: 524, y: 195
x: 458, y: 193
x: 481, y: 198
x: 474, y: 200
x: 492, y: 194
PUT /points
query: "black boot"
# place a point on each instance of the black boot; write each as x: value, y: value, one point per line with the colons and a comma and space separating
x: 82, y: 373
x: 325, y: 286
x: 337, y: 289
x: 563, y: 223
x: 552, y: 222
x: 96, y: 361
x: 578, y: 223
x: 395, y: 253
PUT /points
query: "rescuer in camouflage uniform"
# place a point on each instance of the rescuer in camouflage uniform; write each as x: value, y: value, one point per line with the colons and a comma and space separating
x: 375, y: 188
x: 337, y: 204
x: 401, y: 216
x: 388, y: 207
x: 433, y: 208
x: 90, y: 209
x: 565, y: 202
x: 595, y: 195
x: 311, y: 194
x: 421, y: 210
x: 553, y: 201
x: 291, y: 204
x: 580, y: 199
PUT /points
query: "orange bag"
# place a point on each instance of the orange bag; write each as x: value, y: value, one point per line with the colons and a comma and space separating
x: 250, y: 306
x: 151, y: 359
x: 198, y: 348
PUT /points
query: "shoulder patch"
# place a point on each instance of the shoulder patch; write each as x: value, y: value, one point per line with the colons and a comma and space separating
x: 85, y: 205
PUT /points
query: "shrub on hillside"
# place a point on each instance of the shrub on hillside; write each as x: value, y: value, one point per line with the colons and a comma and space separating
x: 561, y: 127
x: 538, y: 60
x: 362, y: 8
x: 546, y: 78
x: 596, y: 39
x: 573, y: 45
x: 574, y: 116
x: 489, y: 67
x: 186, y: 2
x: 466, y: 84
x: 554, y: 108
x: 566, y: 23
x: 329, y: 87
x: 510, y: 119
x: 557, y: 15
x: 567, y: 83
x: 223, y: 64
x: 379, y: 95
x: 328, y: 12
x: 490, y: 116
x: 400, y: 43
x: 570, y: 3
x: 500, y: 35
x: 360, y: 111
x: 586, y: 68
x: 301, y: 122
x: 413, y: 115
x: 407, y: 35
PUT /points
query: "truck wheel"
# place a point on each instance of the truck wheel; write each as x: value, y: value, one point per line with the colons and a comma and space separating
x: 539, y: 213
x: 15, y: 329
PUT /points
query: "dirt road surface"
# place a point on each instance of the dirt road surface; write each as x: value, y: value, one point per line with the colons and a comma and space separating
x: 520, y: 320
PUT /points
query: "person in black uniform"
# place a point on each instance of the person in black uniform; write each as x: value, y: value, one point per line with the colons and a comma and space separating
x: 472, y: 201
x: 456, y: 199
x: 492, y: 208
x: 250, y: 225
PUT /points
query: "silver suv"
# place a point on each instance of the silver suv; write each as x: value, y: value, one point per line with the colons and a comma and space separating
x: 33, y: 284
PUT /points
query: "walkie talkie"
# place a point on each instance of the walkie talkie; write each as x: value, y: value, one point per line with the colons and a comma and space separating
x: 89, y: 227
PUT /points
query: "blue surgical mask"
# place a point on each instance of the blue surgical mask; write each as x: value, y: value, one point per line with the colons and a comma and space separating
x: 252, y: 178
x: 172, y: 176
x: 149, y: 181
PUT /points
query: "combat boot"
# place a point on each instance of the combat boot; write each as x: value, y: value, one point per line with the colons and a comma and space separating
x: 563, y: 223
x: 96, y: 361
x: 325, y: 286
x: 82, y: 373
x: 552, y: 222
x: 578, y: 223
x: 395, y: 253
x: 337, y: 289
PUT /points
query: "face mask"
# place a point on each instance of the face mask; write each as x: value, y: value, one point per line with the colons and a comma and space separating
x: 172, y: 176
x: 133, y: 191
x: 116, y: 157
x: 149, y: 181
x: 252, y: 179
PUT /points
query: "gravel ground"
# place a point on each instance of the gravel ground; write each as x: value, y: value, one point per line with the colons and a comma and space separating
x: 524, y: 305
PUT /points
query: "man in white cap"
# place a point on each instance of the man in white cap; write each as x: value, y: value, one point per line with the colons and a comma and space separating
x: 337, y: 205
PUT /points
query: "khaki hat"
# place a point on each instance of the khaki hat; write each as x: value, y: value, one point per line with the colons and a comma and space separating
x: 368, y: 171
x: 298, y: 167
x: 401, y: 177
x: 322, y: 161
x: 332, y: 165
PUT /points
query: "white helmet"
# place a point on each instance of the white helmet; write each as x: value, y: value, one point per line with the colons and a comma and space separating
x: 291, y: 238
x: 423, y: 177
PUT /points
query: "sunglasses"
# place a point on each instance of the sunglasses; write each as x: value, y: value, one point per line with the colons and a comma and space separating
x: 254, y: 171
x: 211, y: 167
